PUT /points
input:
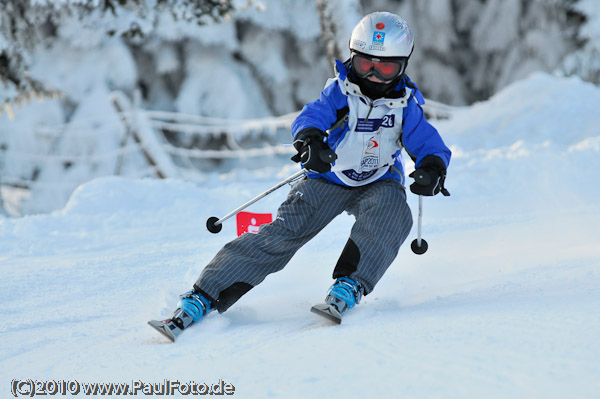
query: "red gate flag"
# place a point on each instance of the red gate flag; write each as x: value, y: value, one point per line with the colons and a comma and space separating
x: 248, y: 222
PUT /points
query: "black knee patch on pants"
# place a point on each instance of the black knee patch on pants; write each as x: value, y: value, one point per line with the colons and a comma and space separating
x: 348, y: 262
x: 228, y: 296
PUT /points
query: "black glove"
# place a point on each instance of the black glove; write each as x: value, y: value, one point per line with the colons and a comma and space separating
x: 313, y: 152
x: 429, y: 177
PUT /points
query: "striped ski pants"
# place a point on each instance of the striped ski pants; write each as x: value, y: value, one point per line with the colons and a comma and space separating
x: 383, y: 221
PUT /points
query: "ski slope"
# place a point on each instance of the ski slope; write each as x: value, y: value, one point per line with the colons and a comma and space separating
x: 504, y: 304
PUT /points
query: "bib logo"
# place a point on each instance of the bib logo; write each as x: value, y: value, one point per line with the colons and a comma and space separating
x: 370, y: 158
x: 371, y: 146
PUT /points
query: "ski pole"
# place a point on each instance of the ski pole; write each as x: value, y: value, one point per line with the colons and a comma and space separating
x: 214, y: 224
x: 419, y: 245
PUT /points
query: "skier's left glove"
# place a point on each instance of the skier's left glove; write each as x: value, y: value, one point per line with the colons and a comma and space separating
x: 313, y: 152
x: 429, y: 177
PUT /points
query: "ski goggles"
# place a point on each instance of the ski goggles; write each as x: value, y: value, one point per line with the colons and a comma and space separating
x: 384, y: 68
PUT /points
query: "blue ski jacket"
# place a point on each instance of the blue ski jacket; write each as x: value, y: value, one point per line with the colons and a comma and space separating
x: 368, y: 135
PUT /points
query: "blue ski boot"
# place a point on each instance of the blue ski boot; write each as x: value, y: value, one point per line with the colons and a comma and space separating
x: 344, y: 294
x: 191, y: 308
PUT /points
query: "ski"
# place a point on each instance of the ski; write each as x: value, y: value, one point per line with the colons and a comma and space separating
x: 167, y: 328
x: 327, y: 311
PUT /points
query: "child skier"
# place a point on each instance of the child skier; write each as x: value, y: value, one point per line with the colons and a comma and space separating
x: 371, y: 110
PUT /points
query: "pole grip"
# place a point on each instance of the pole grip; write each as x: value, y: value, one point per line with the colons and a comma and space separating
x: 422, y: 177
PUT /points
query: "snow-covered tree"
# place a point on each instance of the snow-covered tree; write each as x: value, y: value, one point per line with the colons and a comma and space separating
x: 27, y: 24
x: 466, y: 50
x: 244, y: 59
x: 82, y: 49
x: 585, y: 60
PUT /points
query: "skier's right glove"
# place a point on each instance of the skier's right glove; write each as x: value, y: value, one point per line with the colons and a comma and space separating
x: 313, y: 152
x: 429, y: 177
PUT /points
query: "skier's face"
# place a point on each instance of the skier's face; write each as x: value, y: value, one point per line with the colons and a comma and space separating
x: 375, y: 79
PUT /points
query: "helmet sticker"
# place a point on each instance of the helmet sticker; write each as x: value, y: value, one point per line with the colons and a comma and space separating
x: 378, y: 38
x: 401, y: 24
x: 377, y: 43
x: 360, y: 44
x: 380, y: 25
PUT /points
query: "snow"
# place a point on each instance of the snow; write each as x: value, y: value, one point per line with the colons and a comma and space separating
x: 591, y: 8
x: 214, y: 84
x: 298, y: 16
x: 504, y: 304
x: 112, y: 67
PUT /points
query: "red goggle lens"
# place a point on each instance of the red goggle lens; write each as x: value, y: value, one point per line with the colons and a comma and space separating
x: 384, y: 69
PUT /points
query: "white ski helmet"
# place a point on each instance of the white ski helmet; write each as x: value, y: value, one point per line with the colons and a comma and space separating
x: 382, y: 34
